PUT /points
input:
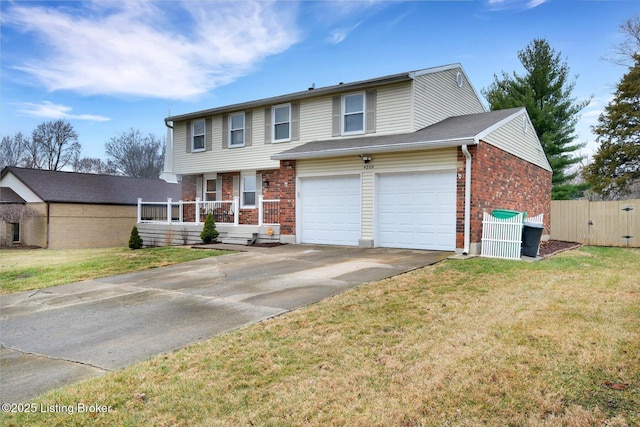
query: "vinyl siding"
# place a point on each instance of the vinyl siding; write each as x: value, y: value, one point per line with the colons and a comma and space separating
x: 393, y: 115
x: 437, y: 96
x: 512, y: 138
x: 382, y: 163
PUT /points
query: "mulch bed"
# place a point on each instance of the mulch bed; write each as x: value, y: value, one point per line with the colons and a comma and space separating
x: 551, y: 247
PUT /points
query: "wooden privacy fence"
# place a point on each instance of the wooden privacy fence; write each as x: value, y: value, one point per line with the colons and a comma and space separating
x: 611, y: 223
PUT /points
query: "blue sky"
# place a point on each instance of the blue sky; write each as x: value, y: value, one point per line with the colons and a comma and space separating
x: 107, y: 66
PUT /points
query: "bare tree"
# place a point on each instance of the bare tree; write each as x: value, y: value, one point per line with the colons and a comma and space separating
x: 12, y: 150
x: 136, y: 155
x: 623, y: 53
x: 53, y: 145
x: 94, y: 165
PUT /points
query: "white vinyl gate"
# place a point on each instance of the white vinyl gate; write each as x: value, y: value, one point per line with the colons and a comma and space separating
x: 502, y: 237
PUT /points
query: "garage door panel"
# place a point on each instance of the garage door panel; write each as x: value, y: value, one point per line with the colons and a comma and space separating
x: 330, y: 209
x: 416, y: 210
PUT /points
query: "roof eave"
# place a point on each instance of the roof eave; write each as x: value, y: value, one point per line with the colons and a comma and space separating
x: 329, y: 90
x: 386, y: 148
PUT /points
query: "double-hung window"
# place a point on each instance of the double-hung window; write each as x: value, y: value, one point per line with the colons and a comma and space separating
x: 248, y: 191
x: 281, y: 123
x: 197, y: 135
x: 210, y: 190
x: 353, y: 113
x: 236, y: 130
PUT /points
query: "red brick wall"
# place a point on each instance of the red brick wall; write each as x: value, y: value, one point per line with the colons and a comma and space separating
x: 189, y: 195
x: 501, y: 181
x: 282, y: 186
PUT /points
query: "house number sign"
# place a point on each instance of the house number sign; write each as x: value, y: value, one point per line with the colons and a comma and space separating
x: 368, y: 166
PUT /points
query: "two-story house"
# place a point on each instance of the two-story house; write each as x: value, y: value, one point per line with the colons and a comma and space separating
x: 409, y: 160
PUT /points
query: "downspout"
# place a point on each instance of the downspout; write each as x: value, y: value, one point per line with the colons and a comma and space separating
x: 467, y: 199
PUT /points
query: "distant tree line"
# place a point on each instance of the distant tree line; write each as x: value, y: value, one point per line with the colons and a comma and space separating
x: 54, y: 146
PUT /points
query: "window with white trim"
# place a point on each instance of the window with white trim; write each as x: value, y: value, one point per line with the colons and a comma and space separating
x: 197, y: 135
x: 281, y: 123
x: 210, y: 190
x: 236, y: 130
x: 353, y: 113
x: 248, y: 191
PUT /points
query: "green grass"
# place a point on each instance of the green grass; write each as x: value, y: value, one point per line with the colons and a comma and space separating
x: 462, y: 343
x: 24, y: 270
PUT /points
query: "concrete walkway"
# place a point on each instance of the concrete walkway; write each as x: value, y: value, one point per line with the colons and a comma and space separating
x: 59, y: 335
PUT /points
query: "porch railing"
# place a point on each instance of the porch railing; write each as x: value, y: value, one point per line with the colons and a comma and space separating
x: 224, y: 211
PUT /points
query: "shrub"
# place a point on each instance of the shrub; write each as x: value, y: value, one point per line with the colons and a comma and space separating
x: 209, y: 232
x: 135, y: 241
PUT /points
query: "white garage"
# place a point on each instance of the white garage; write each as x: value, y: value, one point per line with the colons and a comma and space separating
x: 416, y: 210
x: 330, y: 210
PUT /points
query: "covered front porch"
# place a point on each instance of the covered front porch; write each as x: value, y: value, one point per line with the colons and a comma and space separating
x: 181, y: 222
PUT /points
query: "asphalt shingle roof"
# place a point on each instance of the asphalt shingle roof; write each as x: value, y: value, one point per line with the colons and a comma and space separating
x: 452, y: 131
x: 7, y: 195
x: 71, y: 187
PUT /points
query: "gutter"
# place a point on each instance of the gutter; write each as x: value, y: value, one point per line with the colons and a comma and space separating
x: 380, y: 148
x: 48, y: 223
x: 166, y: 123
x: 467, y: 199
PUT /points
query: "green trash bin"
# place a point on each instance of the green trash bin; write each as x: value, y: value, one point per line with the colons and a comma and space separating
x: 506, y: 213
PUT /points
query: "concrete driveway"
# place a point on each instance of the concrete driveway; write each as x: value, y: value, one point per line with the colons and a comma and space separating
x: 62, y: 334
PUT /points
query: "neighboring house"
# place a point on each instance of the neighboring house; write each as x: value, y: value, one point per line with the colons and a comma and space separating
x: 75, y: 210
x: 409, y: 160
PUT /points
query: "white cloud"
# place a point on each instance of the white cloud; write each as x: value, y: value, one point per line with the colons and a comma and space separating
x: 514, y: 4
x: 49, y: 110
x: 339, y: 34
x: 153, y: 49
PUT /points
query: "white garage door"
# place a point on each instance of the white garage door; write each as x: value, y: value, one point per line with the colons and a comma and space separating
x: 330, y: 208
x: 417, y: 210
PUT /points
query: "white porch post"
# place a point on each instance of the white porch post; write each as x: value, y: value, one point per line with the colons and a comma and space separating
x: 139, y: 210
x: 236, y: 209
x: 260, y: 210
x: 180, y: 208
x: 169, y: 210
x: 197, y: 210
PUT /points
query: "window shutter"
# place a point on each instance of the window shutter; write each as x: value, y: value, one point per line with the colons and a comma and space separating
x: 258, y: 186
x: 248, y: 126
x: 208, y: 134
x: 371, y: 99
x: 267, y: 125
x: 199, y: 188
x: 188, y: 144
x: 225, y: 131
x: 336, y: 113
x: 218, y: 187
x: 236, y: 186
x: 295, y: 121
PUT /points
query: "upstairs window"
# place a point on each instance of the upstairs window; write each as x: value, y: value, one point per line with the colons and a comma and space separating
x: 197, y: 135
x: 353, y: 114
x: 281, y: 123
x: 236, y: 130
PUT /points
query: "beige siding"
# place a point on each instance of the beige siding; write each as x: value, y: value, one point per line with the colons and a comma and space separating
x: 437, y: 96
x: 33, y: 231
x: 315, y: 119
x: 74, y: 226
x: 381, y: 163
x: 512, y: 138
x: 393, y: 115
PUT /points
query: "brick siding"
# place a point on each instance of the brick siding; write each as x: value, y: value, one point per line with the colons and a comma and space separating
x: 500, y: 181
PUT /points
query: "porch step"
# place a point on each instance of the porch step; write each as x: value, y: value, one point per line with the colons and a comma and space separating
x: 238, y: 238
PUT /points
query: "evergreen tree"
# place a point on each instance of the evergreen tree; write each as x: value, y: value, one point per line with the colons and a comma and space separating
x: 209, y: 232
x: 135, y: 241
x: 616, y: 164
x: 545, y: 91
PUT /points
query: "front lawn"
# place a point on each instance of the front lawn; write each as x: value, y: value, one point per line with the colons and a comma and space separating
x: 27, y: 269
x: 464, y: 343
